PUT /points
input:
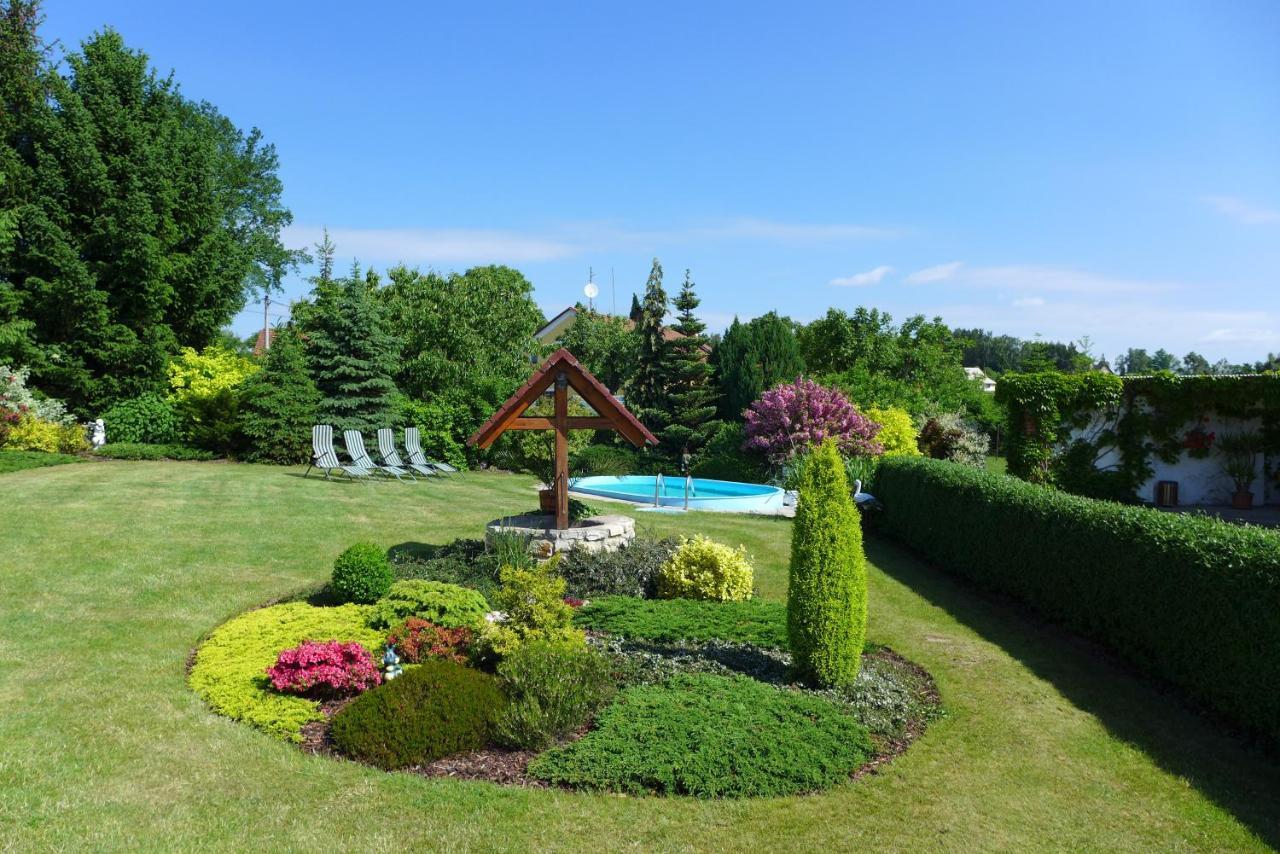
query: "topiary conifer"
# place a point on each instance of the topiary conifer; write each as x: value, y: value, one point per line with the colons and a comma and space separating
x: 827, y: 595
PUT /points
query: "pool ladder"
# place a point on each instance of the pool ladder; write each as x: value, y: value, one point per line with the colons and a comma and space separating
x: 659, y: 482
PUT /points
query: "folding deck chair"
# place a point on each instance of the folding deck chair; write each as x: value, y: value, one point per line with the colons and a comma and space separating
x: 355, y: 449
x: 391, y: 457
x: 413, y: 444
x: 325, y: 458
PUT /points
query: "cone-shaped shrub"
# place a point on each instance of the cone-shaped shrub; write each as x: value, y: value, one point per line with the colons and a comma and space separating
x: 827, y: 596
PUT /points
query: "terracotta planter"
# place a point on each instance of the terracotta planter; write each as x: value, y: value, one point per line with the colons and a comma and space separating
x: 547, y: 500
x: 1242, y: 500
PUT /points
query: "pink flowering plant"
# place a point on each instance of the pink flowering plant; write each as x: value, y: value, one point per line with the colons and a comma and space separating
x: 324, y: 669
x: 792, y: 418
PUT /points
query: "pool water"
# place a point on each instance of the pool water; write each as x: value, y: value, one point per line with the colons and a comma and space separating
x: 704, y: 493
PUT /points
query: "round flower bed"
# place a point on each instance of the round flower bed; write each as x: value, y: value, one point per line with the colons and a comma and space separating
x: 519, y: 680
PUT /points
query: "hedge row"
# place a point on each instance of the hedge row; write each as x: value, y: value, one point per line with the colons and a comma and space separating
x: 1191, y: 599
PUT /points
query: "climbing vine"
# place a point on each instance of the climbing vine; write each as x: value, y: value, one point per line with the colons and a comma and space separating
x: 1061, y: 425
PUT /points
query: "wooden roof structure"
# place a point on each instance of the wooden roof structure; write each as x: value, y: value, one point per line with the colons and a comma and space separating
x: 565, y: 372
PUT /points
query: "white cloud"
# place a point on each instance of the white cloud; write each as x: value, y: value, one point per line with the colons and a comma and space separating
x: 1038, y: 279
x: 1028, y: 302
x: 938, y: 273
x: 1242, y: 211
x: 567, y: 240
x: 870, y: 277
x: 1249, y: 336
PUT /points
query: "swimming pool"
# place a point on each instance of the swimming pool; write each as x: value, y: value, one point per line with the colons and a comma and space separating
x: 704, y: 494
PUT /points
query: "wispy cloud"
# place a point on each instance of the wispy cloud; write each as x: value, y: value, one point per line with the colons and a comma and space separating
x: 938, y: 273
x: 421, y: 245
x: 870, y: 277
x: 1241, y: 210
x: 1028, y: 302
x: 1038, y: 279
x: 566, y: 240
x: 1243, y: 336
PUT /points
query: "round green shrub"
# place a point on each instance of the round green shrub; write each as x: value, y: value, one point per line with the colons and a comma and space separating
x: 435, y: 709
x: 146, y: 419
x: 827, y: 593
x: 704, y: 569
x: 552, y: 688
x: 446, y: 605
x: 362, y: 574
x: 712, y: 736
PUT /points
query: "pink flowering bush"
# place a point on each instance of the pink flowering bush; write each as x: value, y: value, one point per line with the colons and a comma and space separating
x: 792, y: 418
x: 324, y: 669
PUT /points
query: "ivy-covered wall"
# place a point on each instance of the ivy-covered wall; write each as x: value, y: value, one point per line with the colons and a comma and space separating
x: 1111, y: 437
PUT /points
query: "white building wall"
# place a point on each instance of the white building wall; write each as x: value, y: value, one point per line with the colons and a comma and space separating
x: 1201, y: 480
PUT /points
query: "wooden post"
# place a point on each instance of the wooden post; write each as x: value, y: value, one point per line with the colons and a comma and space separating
x: 562, y: 450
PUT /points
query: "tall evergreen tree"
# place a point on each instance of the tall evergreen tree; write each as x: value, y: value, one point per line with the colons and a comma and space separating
x: 145, y: 217
x: 280, y: 403
x: 648, y: 396
x: 753, y: 357
x: 351, y: 355
x: 692, y: 396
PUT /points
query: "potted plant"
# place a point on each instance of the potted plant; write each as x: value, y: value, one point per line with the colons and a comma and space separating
x: 1239, y: 453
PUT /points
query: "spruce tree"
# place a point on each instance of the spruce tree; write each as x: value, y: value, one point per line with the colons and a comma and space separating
x: 692, y: 397
x: 648, y: 397
x: 351, y: 355
x: 279, y: 404
x: 754, y: 357
x: 827, y: 590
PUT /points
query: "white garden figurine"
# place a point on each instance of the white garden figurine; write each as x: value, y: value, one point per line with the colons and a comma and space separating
x: 99, y: 437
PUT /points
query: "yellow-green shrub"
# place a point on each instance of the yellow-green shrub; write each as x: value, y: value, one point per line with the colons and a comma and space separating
x: 533, y: 601
x: 897, y: 431
x: 71, y: 439
x: 704, y: 569
x: 230, y: 669
x: 32, y: 434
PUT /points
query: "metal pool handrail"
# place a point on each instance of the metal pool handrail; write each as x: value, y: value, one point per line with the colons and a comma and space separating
x: 657, y: 489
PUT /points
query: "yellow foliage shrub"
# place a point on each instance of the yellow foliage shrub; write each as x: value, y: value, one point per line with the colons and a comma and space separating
x: 897, y: 431
x: 704, y: 569
x: 32, y: 434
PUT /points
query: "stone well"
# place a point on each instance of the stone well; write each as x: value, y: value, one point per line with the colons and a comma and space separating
x: 596, y: 534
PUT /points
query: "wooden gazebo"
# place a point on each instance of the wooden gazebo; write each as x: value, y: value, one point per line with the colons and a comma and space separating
x: 566, y: 372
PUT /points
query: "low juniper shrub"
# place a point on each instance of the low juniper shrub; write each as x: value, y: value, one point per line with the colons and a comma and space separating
x: 447, y: 605
x: 631, y: 570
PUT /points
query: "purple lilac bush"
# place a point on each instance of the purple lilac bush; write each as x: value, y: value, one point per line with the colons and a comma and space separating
x: 792, y: 418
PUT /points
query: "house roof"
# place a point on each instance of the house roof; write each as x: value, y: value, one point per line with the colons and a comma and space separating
x: 558, y: 325
x: 580, y: 380
x: 260, y: 345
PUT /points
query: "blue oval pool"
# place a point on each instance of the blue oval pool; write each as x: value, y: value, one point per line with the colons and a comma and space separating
x: 704, y: 494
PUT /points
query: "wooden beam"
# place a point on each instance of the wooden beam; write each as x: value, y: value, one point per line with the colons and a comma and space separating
x: 562, y: 451
x: 535, y: 422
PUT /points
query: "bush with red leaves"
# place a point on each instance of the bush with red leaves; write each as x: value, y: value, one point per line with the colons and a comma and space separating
x: 324, y: 669
x: 417, y: 640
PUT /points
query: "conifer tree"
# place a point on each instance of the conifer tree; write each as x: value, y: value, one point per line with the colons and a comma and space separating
x: 351, y: 354
x: 648, y: 397
x: 279, y: 404
x: 692, y: 397
x: 754, y: 357
x: 827, y: 589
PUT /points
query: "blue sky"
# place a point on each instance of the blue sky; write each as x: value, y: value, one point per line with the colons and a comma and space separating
x: 1088, y: 168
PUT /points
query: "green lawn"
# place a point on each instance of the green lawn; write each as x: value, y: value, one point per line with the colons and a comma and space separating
x: 111, y: 573
x: 11, y: 461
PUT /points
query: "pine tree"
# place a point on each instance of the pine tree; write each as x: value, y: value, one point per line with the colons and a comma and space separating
x: 693, y: 399
x: 827, y: 589
x: 752, y: 358
x: 648, y: 396
x: 351, y: 355
x: 279, y: 404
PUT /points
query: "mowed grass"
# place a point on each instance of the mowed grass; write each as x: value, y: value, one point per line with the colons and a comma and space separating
x: 110, y: 574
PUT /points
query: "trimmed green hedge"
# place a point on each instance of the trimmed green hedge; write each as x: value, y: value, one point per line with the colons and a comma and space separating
x: 1191, y: 599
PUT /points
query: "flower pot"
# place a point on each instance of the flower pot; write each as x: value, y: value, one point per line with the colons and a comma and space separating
x: 547, y: 500
x: 1242, y: 500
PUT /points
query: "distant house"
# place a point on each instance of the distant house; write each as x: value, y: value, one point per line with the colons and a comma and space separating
x: 988, y: 384
x: 1103, y: 366
x: 263, y: 344
x: 555, y: 328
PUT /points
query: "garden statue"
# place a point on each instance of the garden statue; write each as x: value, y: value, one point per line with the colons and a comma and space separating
x: 391, y: 664
x: 99, y: 434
